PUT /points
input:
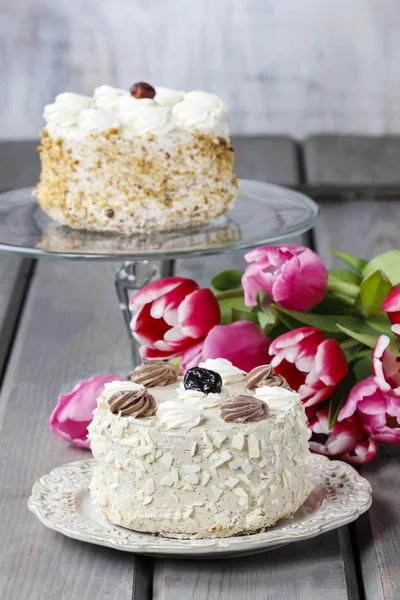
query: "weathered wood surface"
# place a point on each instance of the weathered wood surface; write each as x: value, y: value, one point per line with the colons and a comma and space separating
x: 292, y: 67
x: 367, y: 228
x: 305, y: 571
x: 70, y: 328
x: 19, y: 164
x: 341, y: 160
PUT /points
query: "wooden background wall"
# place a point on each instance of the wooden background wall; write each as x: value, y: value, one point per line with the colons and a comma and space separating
x: 283, y: 66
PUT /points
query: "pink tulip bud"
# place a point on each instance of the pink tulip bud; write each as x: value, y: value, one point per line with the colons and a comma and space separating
x: 292, y: 276
x: 172, y: 315
x: 391, y: 305
x: 243, y: 343
x: 72, y: 415
x: 346, y: 440
x: 311, y: 364
x: 377, y: 411
x: 386, y: 366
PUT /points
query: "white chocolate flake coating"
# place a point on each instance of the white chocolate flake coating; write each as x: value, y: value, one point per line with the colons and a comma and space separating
x: 206, y: 479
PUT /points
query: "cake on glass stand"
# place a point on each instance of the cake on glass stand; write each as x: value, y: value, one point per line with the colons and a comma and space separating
x: 263, y: 214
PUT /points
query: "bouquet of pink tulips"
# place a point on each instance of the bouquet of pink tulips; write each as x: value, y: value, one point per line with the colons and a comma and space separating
x: 334, y: 335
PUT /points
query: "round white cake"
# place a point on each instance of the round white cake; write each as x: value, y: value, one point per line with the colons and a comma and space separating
x: 189, y: 458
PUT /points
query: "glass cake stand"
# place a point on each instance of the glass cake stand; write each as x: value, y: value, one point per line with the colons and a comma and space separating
x: 263, y: 214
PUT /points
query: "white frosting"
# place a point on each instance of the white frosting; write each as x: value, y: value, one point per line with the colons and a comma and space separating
x: 213, y: 103
x: 176, y: 414
x: 199, y: 399
x: 167, y: 97
x: 107, y: 97
x: 144, y: 116
x: 96, y: 120
x: 229, y: 373
x: 278, y: 399
x: 73, y: 114
x: 116, y: 386
x: 66, y: 109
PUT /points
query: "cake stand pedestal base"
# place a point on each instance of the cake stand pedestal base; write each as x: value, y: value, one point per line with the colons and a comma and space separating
x: 131, y: 277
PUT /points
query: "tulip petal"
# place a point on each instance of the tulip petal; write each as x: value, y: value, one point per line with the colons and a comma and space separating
x: 156, y: 289
x: 198, y: 313
x: 73, y: 413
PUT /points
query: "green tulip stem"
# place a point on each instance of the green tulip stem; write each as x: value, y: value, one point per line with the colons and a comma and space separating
x: 238, y: 293
x: 343, y: 287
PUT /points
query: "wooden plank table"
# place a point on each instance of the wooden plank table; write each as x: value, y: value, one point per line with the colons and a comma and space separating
x: 65, y: 325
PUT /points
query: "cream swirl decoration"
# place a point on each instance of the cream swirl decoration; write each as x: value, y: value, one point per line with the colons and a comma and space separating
x: 264, y: 376
x: 170, y: 110
x: 144, y: 116
x: 199, y: 399
x: 175, y: 415
x: 278, y: 399
x: 66, y: 109
x: 229, y: 373
x: 167, y: 97
x: 96, y: 120
x: 107, y: 97
x: 154, y: 372
x: 244, y: 409
x: 133, y: 403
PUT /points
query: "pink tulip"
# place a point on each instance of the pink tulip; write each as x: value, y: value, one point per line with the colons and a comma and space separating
x: 377, y: 411
x: 72, y: 415
x: 243, y: 343
x: 311, y: 364
x: 172, y: 315
x: 346, y: 441
x: 386, y: 366
x: 293, y: 276
x: 391, y: 305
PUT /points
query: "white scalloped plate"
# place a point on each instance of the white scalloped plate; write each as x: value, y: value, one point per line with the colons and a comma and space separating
x: 61, y: 501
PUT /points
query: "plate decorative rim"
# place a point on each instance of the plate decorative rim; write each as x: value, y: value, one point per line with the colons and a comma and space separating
x: 53, y: 501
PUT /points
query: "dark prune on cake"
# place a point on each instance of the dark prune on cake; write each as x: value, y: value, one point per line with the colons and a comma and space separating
x: 202, y: 380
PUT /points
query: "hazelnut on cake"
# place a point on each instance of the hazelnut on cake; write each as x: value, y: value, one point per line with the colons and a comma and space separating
x: 134, y: 161
x: 218, y: 453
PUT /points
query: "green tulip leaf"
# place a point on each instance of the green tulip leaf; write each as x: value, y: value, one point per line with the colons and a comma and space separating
x: 244, y: 315
x: 345, y: 275
x: 388, y: 263
x: 341, y: 287
x: 331, y: 324
x: 381, y: 325
x: 339, y: 397
x: 365, y: 338
x: 363, y: 368
x: 373, y: 290
x: 357, y: 264
x: 227, y: 280
x: 267, y: 320
x: 332, y: 304
x: 228, y: 304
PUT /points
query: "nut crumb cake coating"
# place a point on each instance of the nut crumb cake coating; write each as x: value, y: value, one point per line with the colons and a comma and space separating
x: 134, y: 161
x: 217, y: 454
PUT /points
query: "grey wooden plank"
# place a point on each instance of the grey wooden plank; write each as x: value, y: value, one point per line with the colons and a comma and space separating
x: 306, y: 571
x: 15, y: 274
x: 367, y: 228
x: 70, y: 328
x: 266, y: 158
x: 334, y: 159
x: 19, y: 164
